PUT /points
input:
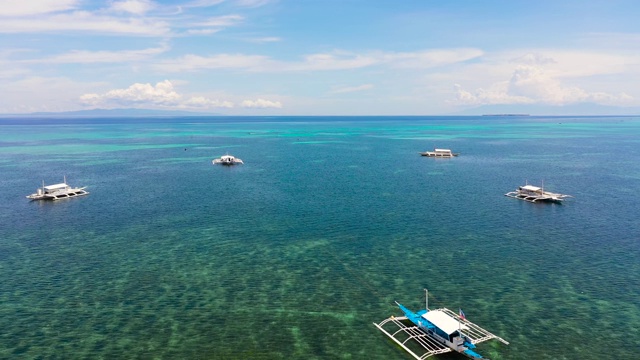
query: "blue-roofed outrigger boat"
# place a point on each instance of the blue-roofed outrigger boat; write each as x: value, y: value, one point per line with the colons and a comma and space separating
x: 435, y: 332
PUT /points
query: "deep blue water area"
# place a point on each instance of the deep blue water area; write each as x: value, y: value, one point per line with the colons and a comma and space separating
x: 296, y: 253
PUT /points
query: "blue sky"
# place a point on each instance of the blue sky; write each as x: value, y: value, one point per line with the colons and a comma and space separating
x: 319, y: 57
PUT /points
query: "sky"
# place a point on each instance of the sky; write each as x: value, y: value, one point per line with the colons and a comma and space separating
x: 320, y: 57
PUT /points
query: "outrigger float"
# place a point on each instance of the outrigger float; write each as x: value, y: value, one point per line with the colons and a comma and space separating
x: 536, y: 194
x: 430, y: 332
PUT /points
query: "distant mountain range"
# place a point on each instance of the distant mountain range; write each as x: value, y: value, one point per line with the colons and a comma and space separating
x: 113, y: 113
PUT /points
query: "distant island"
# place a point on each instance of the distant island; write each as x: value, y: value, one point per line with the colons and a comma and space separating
x: 505, y: 114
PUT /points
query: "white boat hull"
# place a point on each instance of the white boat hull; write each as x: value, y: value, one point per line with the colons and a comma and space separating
x: 70, y: 193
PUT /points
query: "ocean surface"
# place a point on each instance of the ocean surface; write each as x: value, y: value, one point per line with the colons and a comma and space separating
x: 295, y: 254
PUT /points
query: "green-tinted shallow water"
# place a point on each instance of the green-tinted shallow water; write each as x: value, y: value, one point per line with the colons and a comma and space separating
x: 295, y: 254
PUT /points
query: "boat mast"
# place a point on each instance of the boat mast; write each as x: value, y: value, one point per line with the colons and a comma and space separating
x: 426, y: 299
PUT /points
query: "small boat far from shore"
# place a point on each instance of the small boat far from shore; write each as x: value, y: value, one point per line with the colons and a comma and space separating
x: 534, y: 194
x: 439, y: 153
x: 227, y: 160
x: 57, y: 191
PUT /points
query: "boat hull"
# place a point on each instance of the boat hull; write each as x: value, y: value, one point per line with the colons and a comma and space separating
x: 431, y: 154
x: 227, y: 160
x: 227, y: 163
x: 59, y: 196
x: 536, y: 195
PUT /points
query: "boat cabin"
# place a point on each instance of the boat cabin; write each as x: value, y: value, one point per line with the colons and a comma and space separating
x: 444, y: 153
x: 55, y: 188
x: 534, y: 190
x: 445, y: 326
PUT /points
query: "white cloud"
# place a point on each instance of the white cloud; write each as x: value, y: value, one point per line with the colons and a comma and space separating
x: 35, y: 93
x: 142, y: 95
x: 203, y: 3
x: 90, y: 57
x: 487, y: 97
x: 533, y: 85
x: 83, y: 21
x: 138, y: 7
x: 252, y: 3
x: 202, y: 31
x: 536, y: 84
x: 35, y: 7
x: 561, y: 63
x: 215, y: 24
x: 222, y: 21
x: 350, y: 89
x: 222, y: 61
x: 431, y: 58
x: 202, y: 102
x: 8, y: 70
x: 533, y: 59
x: 609, y: 72
x: 161, y: 94
x: 532, y: 82
x: 335, y: 61
x: 12, y: 69
x: 261, y: 104
x: 267, y: 39
x: 611, y: 41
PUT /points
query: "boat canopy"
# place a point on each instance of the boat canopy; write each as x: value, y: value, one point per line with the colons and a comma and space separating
x: 442, y: 150
x: 56, y: 186
x: 443, y: 321
x: 530, y: 188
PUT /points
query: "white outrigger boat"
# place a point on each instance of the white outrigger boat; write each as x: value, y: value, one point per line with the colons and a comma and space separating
x: 430, y: 332
x: 57, y: 192
x: 533, y: 194
x: 227, y: 160
x: 440, y: 153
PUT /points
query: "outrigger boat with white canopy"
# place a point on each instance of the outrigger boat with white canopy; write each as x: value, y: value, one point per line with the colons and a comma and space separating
x: 57, y: 191
x: 534, y: 194
x: 430, y: 332
x: 227, y: 160
x: 439, y: 153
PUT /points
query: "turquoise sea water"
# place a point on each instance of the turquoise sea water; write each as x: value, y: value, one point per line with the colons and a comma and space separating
x: 296, y: 253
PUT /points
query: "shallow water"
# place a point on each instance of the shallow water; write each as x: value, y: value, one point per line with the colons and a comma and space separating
x: 296, y: 253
